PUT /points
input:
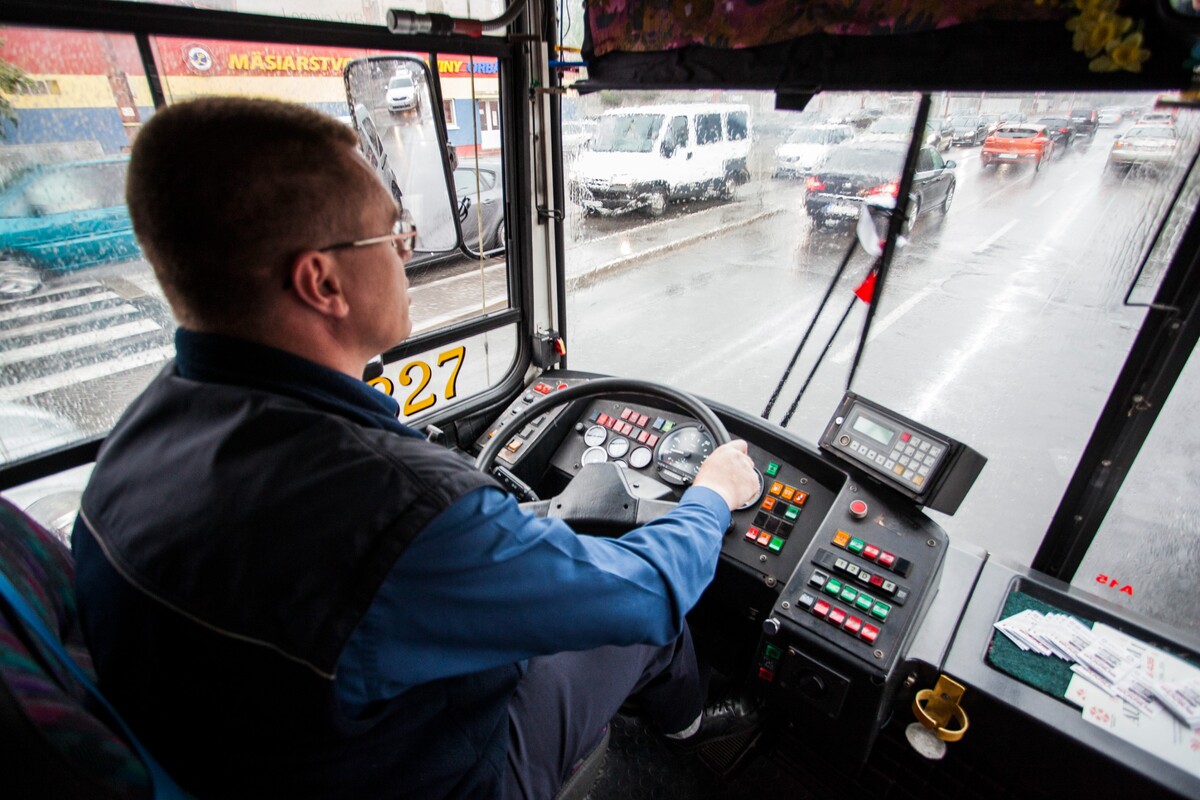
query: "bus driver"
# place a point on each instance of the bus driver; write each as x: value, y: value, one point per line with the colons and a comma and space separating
x: 288, y: 592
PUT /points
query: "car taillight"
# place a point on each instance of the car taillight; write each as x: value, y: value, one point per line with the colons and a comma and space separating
x: 1064, y: 130
x: 990, y: 140
x: 885, y: 188
x: 814, y: 183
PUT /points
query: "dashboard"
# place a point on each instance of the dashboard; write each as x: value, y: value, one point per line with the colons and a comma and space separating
x: 826, y: 572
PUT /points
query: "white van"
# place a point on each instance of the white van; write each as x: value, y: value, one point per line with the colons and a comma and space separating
x: 649, y: 156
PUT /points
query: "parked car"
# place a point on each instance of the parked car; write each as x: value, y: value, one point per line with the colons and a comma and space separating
x: 63, y: 217
x: 806, y: 148
x: 1108, y: 117
x: 401, y: 93
x: 480, y: 193
x: 1061, y: 131
x: 858, y: 170
x: 1085, y: 121
x: 649, y: 156
x: 576, y: 133
x: 1143, y: 146
x: 968, y: 130
x: 1017, y: 144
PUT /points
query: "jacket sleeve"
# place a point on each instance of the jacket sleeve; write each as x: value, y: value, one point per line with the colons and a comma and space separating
x: 487, y: 583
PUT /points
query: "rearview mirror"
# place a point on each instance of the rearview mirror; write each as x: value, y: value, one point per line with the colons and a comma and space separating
x: 403, y: 139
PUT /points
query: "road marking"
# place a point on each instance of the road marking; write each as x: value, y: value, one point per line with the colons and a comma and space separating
x: 43, y: 308
x: 102, y: 369
x: 79, y: 340
x: 70, y: 287
x: 58, y: 323
x: 879, y: 326
x: 988, y: 242
x: 1045, y: 197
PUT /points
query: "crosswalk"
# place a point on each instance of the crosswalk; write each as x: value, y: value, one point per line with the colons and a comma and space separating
x: 69, y: 334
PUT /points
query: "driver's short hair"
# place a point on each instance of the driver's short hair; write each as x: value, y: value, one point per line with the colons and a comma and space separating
x: 224, y: 192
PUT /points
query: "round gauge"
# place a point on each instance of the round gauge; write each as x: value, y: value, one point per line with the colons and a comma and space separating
x: 593, y: 455
x: 757, y: 495
x: 594, y: 436
x: 681, y: 452
x: 618, y: 447
x: 640, y: 457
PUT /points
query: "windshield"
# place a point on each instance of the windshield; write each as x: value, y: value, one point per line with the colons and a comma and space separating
x: 892, y: 125
x: 1149, y: 132
x: 627, y: 133
x: 400, y: 82
x: 1016, y: 133
x: 1002, y: 322
x: 872, y: 161
x: 808, y: 136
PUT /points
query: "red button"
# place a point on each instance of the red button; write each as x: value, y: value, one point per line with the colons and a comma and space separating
x: 625, y: 414
x: 904, y: 437
x: 858, y: 509
x: 837, y: 616
x: 869, y: 632
x: 871, y: 552
x: 853, y: 624
x: 766, y: 674
x: 752, y: 533
x: 542, y: 388
x: 643, y: 436
x: 628, y: 429
x: 642, y: 420
x: 877, y: 580
x: 561, y: 386
x: 653, y: 440
x: 821, y: 609
x: 611, y: 423
x: 887, y: 559
x: 602, y: 419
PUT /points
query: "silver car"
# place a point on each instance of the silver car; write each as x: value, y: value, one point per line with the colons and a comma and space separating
x: 1143, y: 145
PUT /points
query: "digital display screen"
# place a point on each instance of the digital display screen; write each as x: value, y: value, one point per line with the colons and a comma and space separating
x: 873, y: 429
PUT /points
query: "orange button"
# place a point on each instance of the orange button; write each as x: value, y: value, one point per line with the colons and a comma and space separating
x: 787, y: 492
x: 841, y: 539
x: 800, y: 497
x: 764, y: 538
x: 768, y: 503
x: 776, y: 488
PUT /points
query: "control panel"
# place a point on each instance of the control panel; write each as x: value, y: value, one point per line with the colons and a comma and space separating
x: 921, y: 463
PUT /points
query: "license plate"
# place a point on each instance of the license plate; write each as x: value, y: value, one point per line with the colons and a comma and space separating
x: 1007, y: 155
x: 843, y: 210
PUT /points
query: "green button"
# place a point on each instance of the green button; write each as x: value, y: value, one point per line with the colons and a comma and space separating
x: 776, y: 544
x: 668, y: 425
x: 880, y: 610
x: 865, y: 601
x: 849, y: 594
x: 856, y: 545
x: 772, y: 469
x: 833, y: 586
x: 773, y: 652
x: 792, y: 512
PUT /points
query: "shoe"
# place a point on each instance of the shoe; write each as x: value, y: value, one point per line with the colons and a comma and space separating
x: 721, y: 721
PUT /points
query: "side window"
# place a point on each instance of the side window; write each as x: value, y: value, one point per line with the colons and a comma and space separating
x: 936, y: 160
x: 678, y: 132
x: 738, y: 125
x: 925, y: 160
x: 708, y: 128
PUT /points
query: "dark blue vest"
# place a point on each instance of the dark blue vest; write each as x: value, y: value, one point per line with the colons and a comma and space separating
x: 230, y: 542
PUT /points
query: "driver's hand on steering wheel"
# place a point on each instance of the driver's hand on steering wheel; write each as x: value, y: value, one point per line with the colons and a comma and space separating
x: 729, y: 472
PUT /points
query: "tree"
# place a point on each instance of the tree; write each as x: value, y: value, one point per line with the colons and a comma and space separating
x: 12, y: 80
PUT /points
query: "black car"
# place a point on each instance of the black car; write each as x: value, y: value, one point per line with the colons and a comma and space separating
x: 968, y: 129
x: 858, y: 170
x: 1062, y: 132
x: 1086, y: 121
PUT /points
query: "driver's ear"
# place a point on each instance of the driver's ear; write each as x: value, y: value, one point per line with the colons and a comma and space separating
x: 317, y: 283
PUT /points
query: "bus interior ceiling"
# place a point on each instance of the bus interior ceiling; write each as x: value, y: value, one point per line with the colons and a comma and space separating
x: 1020, y: 453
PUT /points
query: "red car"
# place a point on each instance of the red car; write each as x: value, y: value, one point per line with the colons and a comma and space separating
x: 1017, y: 144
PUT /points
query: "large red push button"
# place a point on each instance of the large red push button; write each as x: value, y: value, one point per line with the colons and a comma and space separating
x: 858, y: 509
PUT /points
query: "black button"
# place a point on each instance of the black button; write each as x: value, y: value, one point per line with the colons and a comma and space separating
x: 902, y: 567
x: 760, y: 519
x: 772, y: 525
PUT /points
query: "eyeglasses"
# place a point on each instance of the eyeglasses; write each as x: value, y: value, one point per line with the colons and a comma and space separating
x: 403, y: 237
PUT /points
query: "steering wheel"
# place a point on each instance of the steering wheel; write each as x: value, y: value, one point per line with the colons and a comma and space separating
x: 599, y: 498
